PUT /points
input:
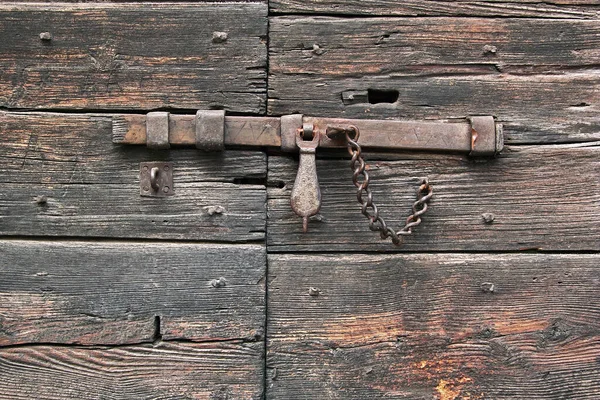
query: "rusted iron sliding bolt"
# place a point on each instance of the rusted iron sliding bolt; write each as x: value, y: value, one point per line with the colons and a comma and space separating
x: 306, y: 194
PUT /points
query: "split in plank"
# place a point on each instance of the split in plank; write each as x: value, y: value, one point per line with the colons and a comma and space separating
x: 99, y: 293
x: 134, y: 56
x: 62, y: 176
x: 542, y: 197
x: 539, y: 77
x: 423, y: 326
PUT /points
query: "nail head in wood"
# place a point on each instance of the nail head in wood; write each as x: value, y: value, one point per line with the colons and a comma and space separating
x: 210, y: 130
x: 46, y: 36
x: 157, y: 130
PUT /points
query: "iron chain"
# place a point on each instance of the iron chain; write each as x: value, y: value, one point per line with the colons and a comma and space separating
x: 364, y: 195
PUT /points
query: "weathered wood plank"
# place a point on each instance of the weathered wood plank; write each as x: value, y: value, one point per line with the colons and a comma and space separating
x: 443, y: 326
x: 167, y: 371
x: 487, y: 8
x: 116, y: 56
x: 113, y: 292
x: 62, y: 176
x: 544, y: 198
x: 539, y: 77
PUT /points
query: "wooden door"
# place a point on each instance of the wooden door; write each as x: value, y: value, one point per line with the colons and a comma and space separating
x: 215, y: 293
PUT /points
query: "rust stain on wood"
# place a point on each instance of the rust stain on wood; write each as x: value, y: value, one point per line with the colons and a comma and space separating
x: 454, y: 389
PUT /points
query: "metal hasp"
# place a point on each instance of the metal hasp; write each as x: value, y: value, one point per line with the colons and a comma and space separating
x: 156, y: 179
x: 212, y: 130
x: 477, y: 136
x: 306, y: 194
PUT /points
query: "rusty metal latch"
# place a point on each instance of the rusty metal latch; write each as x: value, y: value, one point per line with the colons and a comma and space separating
x: 212, y: 130
x: 306, y: 194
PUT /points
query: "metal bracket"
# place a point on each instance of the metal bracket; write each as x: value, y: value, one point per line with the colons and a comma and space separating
x: 157, y: 130
x: 156, y: 179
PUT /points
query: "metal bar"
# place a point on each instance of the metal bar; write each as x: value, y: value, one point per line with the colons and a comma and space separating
x: 480, y: 136
x: 400, y: 135
x: 239, y: 131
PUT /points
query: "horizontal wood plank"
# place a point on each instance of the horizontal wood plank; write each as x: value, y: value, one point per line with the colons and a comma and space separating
x: 545, y: 198
x: 167, y: 371
x: 62, y: 176
x: 134, y: 56
x: 442, y: 326
x: 487, y: 8
x: 539, y: 77
x: 115, y: 292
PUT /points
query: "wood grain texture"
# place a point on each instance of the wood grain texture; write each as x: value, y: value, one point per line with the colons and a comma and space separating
x: 434, y: 326
x: 62, y: 176
x: 134, y: 56
x: 168, y: 371
x: 544, y: 198
x: 539, y: 77
x: 487, y: 8
x: 112, y: 292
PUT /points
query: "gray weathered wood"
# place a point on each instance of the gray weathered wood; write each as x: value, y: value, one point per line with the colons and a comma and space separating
x: 134, y: 56
x: 113, y: 292
x: 545, y: 198
x: 442, y: 326
x: 168, y: 371
x: 62, y: 176
x: 493, y: 8
x: 539, y: 77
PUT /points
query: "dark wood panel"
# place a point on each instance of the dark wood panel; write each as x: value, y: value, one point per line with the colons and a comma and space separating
x: 62, y: 176
x: 115, y: 292
x: 443, y: 326
x: 539, y: 77
x: 506, y: 8
x: 134, y: 56
x: 168, y: 371
x: 542, y: 197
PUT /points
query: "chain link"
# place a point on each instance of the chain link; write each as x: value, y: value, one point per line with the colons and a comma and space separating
x: 361, y: 179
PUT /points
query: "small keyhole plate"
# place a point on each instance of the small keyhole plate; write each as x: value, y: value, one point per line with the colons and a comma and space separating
x: 164, y: 179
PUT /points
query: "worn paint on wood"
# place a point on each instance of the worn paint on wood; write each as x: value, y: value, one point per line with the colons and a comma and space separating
x: 62, y: 176
x: 489, y: 8
x: 116, y: 293
x: 433, y: 326
x: 134, y: 56
x: 544, y: 198
x: 169, y: 371
x: 539, y: 77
